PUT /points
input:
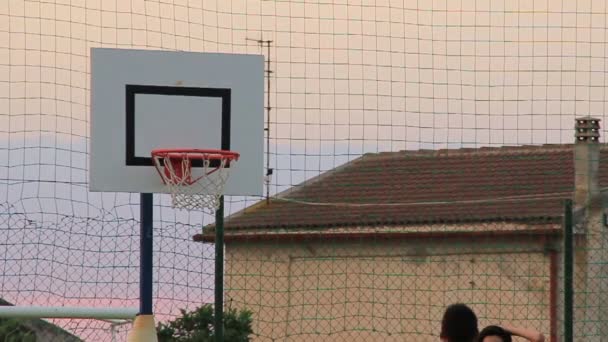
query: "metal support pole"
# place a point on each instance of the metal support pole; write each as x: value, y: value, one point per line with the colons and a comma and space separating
x: 268, y: 109
x: 568, y: 273
x: 219, y: 272
x: 146, y: 247
x: 267, y: 43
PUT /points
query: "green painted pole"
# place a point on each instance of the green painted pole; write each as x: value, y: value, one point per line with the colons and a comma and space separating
x: 219, y: 272
x: 568, y: 273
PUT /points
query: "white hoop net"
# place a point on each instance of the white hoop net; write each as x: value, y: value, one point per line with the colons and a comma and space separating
x: 193, y: 188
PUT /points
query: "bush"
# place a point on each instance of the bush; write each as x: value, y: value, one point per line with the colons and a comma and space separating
x: 197, y: 326
x: 11, y: 330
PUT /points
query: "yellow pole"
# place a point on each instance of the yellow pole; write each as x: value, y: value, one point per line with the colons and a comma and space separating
x: 143, y: 330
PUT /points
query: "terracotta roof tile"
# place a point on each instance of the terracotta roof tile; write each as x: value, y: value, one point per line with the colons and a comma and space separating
x: 399, y: 188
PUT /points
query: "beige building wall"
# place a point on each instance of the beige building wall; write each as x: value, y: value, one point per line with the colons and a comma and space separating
x: 384, y: 291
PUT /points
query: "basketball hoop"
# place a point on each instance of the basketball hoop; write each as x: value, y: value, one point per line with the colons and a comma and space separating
x: 194, y: 188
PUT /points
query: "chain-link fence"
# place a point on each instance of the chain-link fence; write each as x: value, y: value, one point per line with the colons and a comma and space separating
x: 422, y: 154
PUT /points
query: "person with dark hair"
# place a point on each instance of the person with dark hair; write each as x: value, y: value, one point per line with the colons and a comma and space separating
x: 494, y: 333
x: 459, y: 324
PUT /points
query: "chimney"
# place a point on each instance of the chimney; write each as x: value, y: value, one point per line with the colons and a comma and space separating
x: 586, y: 161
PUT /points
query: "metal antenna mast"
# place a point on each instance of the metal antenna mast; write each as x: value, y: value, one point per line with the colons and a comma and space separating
x: 267, y: 44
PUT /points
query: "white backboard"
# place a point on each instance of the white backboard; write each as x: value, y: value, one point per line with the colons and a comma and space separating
x: 143, y: 99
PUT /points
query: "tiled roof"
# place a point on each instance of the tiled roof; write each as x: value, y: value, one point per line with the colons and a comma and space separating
x: 401, y: 188
x: 43, y: 330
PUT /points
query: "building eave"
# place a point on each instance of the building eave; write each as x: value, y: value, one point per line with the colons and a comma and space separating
x: 535, y: 231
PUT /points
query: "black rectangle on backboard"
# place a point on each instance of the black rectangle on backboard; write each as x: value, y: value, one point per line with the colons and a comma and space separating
x: 132, y: 90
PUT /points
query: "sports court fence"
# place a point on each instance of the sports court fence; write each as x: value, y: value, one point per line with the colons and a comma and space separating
x: 422, y: 153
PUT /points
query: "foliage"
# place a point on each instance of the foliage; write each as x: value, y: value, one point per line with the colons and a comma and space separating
x: 11, y: 330
x: 197, y: 326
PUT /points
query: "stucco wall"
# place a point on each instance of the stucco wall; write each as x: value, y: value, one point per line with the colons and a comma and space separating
x: 384, y: 291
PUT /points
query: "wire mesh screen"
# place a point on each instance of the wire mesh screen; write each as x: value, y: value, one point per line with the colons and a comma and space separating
x: 421, y: 156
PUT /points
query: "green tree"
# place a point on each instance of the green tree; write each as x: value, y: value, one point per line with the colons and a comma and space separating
x: 11, y: 330
x: 197, y: 326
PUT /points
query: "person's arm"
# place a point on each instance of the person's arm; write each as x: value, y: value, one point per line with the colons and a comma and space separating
x: 529, y: 334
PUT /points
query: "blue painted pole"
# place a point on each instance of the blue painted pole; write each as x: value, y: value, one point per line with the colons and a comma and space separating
x: 145, y: 264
